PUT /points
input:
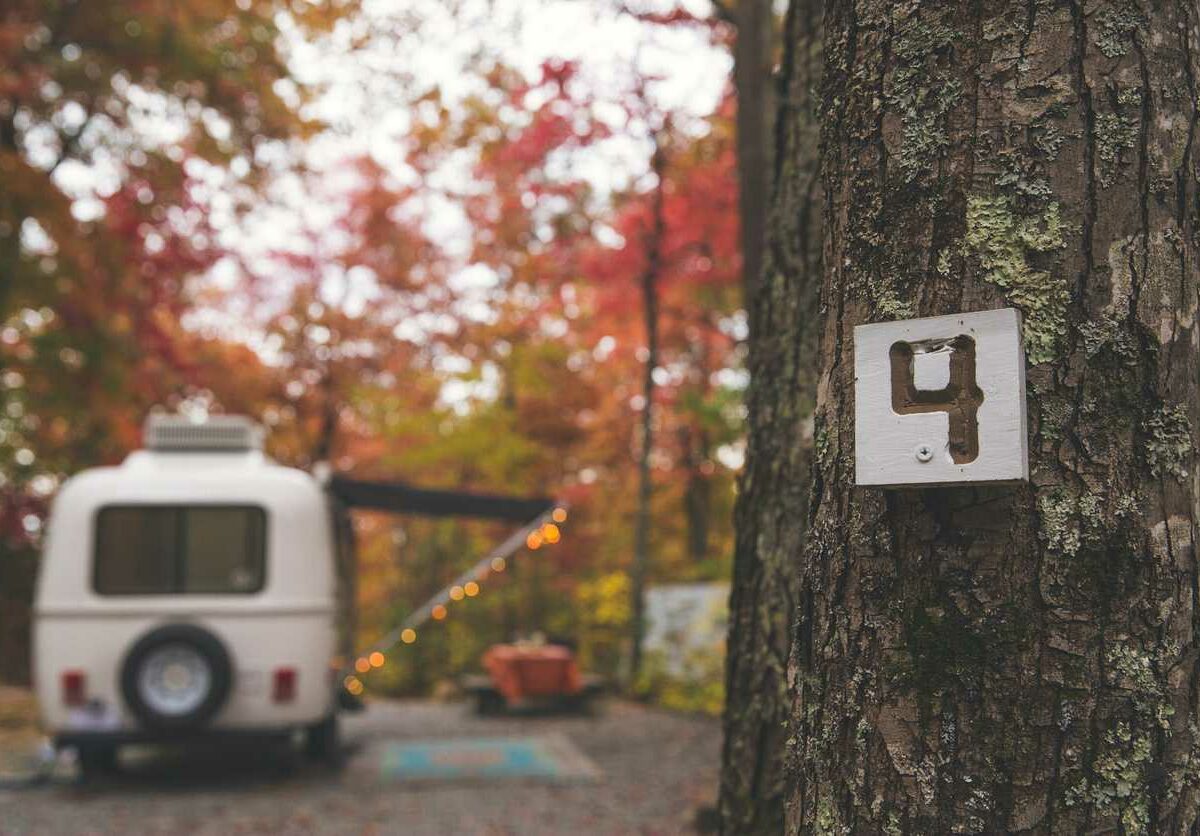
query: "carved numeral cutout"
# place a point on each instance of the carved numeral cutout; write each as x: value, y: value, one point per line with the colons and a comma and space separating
x: 960, y: 399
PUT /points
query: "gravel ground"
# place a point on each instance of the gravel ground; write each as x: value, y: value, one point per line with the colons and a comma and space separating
x: 658, y: 769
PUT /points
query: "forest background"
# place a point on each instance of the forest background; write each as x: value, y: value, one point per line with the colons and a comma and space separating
x: 417, y: 240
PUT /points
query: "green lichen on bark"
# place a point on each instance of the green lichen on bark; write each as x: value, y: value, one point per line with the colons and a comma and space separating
x: 1118, y: 785
x: 822, y: 445
x: 1169, y: 445
x: 920, y: 94
x: 1070, y: 521
x: 1047, y: 138
x: 1060, y: 526
x: 1120, y: 782
x: 1117, y: 133
x: 1006, y: 242
x: 828, y: 822
x: 1117, y: 26
x: 1023, y: 162
x: 891, y: 306
x: 1108, y: 333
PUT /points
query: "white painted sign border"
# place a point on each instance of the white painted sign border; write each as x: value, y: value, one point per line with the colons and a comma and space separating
x: 902, y: 450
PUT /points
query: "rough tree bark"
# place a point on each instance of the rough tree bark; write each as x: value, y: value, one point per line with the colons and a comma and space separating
x: 1009, y: 659
x: 773, y: 494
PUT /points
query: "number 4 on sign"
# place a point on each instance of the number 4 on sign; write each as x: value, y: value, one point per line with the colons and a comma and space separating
x: 940, y: 401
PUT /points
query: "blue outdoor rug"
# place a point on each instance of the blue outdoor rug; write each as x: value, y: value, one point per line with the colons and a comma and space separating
x: 549, y: 757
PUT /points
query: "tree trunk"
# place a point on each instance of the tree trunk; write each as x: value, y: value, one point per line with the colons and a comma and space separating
x: 753, y: 58
x: 1009, y: 659
x: 346, y: 544
x: 18, y: 569
x: 12, y: 213
x: 773, y: 494
x: 641, y: 547
x: 327, y: 427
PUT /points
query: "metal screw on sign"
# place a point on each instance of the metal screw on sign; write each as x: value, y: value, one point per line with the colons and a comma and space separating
x: 923, y: 453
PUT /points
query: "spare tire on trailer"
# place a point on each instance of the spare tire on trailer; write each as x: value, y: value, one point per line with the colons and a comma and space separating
x: 176, y: 678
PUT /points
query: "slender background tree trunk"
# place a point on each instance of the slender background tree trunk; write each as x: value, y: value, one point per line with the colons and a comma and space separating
x: 1009, y: 659
x: 641, y: 547
x: 753, y: 62
x: 773, y: 493
x: 346, y: 544
x: 17, y: 565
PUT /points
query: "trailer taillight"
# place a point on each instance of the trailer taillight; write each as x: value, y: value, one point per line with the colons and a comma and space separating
x: 285, y: 685
x: 74, y: 688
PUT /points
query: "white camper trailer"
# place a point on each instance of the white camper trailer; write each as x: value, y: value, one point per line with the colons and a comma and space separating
x: 191, y: 591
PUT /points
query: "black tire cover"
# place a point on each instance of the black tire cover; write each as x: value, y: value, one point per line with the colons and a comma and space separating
x: 208, y: 646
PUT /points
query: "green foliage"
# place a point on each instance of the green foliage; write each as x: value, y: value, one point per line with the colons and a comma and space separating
x: 605, y: 599
x: 701, y: 687
x: 604, y: 608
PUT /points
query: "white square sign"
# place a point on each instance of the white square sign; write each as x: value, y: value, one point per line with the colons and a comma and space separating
x: 940, y: 400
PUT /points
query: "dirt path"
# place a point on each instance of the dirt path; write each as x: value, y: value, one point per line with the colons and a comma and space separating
x: 655, y: 769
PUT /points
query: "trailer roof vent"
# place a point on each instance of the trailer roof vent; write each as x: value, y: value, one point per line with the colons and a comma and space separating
x: 216, y: 433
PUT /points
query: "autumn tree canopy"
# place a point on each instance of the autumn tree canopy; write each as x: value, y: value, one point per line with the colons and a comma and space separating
x: 187, y: 221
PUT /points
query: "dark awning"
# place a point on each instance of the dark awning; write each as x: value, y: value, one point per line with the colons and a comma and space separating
x: 400, y: 498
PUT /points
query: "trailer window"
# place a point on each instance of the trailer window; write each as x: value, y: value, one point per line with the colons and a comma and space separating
x: 162, y: 550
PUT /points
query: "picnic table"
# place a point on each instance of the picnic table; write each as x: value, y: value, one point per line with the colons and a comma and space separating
x: 524, y: 675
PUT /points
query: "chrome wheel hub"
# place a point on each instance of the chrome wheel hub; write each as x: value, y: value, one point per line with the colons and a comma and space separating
x: 174, y: 680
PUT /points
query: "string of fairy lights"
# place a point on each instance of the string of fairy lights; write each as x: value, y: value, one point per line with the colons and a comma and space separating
x: 542, y: 531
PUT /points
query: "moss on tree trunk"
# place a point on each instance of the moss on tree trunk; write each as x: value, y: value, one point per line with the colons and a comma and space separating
x: 1005, y: 659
